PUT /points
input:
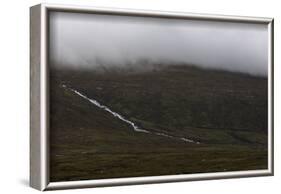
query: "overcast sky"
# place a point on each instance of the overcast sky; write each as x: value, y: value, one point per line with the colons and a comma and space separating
x: 90, y: 40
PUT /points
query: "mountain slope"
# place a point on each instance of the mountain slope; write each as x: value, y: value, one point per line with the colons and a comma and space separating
x: 226, y: 112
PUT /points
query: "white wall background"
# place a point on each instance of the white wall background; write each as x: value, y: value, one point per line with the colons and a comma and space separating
x: 14, y: 98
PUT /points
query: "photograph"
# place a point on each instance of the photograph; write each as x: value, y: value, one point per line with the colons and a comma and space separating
x: 144, y: 96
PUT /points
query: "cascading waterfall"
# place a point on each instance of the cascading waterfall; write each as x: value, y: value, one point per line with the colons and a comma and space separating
x: 122, y: 118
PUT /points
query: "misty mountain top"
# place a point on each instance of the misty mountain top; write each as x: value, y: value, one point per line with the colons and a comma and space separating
x: 93, y: 41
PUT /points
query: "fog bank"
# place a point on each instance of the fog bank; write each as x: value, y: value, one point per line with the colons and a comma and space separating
x: 90, y: 41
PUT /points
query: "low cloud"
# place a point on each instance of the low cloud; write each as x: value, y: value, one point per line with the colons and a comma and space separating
x: 90, y: 41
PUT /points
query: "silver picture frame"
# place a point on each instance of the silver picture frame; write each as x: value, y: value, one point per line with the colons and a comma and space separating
x: 39, y: 101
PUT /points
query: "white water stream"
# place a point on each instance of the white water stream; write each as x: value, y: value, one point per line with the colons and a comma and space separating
x: 134, y: 126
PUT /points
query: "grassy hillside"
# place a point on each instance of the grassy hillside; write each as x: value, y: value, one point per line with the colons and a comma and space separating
x: 226, y: 112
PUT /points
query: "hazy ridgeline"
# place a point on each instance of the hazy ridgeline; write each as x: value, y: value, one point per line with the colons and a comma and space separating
x: 90, y: 41
x: 200, y: 53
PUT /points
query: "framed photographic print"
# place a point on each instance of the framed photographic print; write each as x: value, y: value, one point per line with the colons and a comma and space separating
x: 133, y: 97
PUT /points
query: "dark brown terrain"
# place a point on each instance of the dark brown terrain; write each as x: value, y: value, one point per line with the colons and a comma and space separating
x: 226, y: 112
